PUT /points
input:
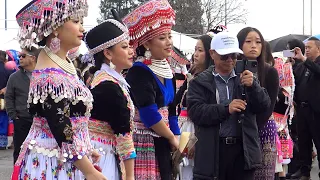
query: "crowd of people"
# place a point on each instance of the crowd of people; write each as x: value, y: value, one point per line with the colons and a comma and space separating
x: 117, y: 112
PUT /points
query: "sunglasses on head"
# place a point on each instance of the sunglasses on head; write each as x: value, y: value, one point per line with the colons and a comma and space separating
x: 24, y: 55
x: 233, y: 56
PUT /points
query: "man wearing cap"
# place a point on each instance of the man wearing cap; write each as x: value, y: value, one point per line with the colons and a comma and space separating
x: 228, y: 146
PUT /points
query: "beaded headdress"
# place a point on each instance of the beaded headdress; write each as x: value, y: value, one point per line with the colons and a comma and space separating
x: 105, y: 35
x: 217, y: 29
x: 39, y: 18
x: 149, y: 20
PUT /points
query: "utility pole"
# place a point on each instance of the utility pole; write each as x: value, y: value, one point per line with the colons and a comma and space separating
x: 5, y: 15
x: 225, y: 13
x: 303, y: 17
x: 311, y: 17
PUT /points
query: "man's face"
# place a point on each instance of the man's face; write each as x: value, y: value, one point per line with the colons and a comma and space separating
x: 224, y: 63
x: 312, y: 50
x: 26, y: 59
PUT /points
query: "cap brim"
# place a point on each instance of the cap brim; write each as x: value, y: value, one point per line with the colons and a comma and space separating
x: 229, y: 51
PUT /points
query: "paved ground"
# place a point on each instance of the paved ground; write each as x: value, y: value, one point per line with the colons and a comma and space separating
x: 6, y: 165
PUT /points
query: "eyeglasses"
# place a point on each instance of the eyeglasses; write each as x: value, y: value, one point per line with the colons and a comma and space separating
x: 233, y: 56
x: 24, y: 55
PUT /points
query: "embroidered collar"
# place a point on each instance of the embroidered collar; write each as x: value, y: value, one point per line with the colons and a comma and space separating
x: 114, y: 74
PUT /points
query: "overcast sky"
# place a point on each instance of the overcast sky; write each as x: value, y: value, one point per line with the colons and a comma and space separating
x: 274, y: 18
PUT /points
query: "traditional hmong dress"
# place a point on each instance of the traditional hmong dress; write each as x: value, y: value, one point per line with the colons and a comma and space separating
x: 186, y: 125
x: 111, y: 125
x: 284, y: 111
x: 154, y: 102
x: 61, y: 105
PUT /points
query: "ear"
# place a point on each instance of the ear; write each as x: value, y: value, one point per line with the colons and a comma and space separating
x: 108, y: 54
x: 147, y: 45
x: 211, y: 53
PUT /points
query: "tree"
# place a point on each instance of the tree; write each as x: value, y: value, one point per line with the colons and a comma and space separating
x: 188, y: 16
x: 123, y: 7
x: 224, y: 11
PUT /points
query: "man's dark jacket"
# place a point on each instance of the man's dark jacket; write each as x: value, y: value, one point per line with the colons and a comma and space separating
x: 17, y: 95
x: 312, y: 90
x: 207, y: 116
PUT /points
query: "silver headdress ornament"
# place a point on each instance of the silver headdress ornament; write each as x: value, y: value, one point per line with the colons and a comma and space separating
x: 39, y: 18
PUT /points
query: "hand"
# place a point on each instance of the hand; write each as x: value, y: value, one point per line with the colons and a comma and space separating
x: 129, y: 178
x: 247, y: 78
x: 191, y: 152
x: 237, y: 105
x: 298, y: 54
x: 95, y: 156
x: 2, y: 91
x: 174, y: 142
x: 96, y: 175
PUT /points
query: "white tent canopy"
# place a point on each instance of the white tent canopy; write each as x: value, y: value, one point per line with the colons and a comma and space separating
x: 183, y: 42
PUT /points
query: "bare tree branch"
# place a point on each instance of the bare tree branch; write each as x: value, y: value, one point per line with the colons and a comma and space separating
x: 227, y: 11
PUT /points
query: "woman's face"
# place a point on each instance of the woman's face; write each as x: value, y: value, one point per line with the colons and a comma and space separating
x: 121, y: 55
x: 199, y: 56
x: 71, y: 33
x: 160, y: 46
x: 252, y: 46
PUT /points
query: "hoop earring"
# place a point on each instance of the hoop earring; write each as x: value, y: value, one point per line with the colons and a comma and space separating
x: 55, y: 44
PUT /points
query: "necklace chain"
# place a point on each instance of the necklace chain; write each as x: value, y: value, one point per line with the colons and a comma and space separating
x: 66, y: 65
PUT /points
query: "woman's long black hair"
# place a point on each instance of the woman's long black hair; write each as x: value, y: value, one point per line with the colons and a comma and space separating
x: 269, y: 56
x: 206, y: 41
x: 242, y: 35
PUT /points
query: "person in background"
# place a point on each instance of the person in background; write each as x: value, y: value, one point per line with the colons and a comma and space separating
x: 4, y: 119
x: 252, y: 43
x: 290, y: 46
x: 228, y: 143
x: 202, y: 61
x: 307, y: 79
x: 294, y: 167
x: 17, y: 95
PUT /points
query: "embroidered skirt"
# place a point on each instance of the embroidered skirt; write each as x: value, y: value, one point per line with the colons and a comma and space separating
x: 102, y: 139
x: 108, y: 162
x: 269, y: 152
x: 41, y: 157
x: 146, y: 165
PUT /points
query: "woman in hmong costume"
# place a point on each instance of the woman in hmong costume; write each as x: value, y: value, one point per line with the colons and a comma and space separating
x: 202, y: 60
x: 253, y: 45
x: 284, y: 111
x: 153, y: 89
x: 58, y: 144
x: 111, y: 124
